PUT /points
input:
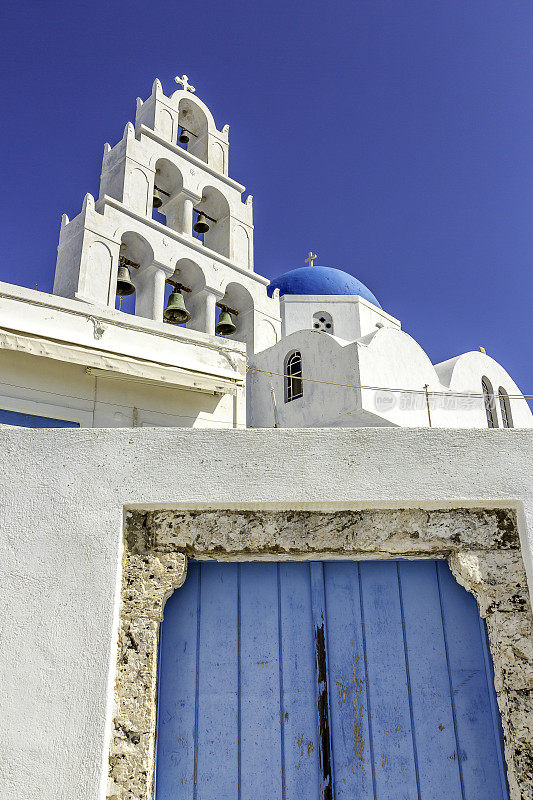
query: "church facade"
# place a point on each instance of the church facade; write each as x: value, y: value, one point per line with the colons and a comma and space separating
x: 287, y: 555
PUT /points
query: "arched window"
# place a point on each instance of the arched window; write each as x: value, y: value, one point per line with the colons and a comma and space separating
x: 294, y: 387
x: 322, y: 321
x: 490, y: 405
x: 505, y: 407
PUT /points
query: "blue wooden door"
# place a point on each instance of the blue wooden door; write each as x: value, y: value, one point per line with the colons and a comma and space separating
x: 326, y: 681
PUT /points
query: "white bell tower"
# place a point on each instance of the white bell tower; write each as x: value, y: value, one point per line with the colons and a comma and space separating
x: 176, y: 160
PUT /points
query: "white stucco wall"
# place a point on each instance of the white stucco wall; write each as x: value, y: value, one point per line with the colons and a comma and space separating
x: 353, y: 316
x: 388, y: 358
x: 63, y: 496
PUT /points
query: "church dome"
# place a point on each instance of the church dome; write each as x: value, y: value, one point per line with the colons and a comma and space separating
x: 319, y: 281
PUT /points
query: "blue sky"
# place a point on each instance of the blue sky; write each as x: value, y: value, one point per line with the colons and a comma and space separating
x: 393, y: 138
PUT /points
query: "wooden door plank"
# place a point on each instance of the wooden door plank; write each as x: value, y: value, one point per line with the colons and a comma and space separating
x: 318, y: 607
x: 471, y: 694
x: 218, y: 734
x: 177, y: 691
x: 432, y: 712
x: 495, y: 711
x: 352, y: 747
x: 261, y: 759
x: 298, y: 707
x: 394, y: 758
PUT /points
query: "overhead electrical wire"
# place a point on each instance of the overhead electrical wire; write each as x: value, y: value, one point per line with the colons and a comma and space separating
x: 124, y: 406
x: 444, y: 393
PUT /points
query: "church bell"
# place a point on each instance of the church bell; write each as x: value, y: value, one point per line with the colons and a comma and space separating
x: 124, y: 284
x: 184, y: 137
x: 225, y: 325
x: 157, y: 201
x: 201, y: 225
x: 175, y: 312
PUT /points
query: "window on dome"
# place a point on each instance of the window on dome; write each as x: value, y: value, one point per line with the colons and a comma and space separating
x: 490, y: 405
x: 505, y: 407
x: 322, y: 321
x: 294, y: 387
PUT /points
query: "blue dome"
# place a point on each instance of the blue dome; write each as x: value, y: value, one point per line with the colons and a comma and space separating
x: 320, y: 280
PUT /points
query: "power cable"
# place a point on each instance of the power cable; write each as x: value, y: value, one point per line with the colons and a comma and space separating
x: 443, y: 393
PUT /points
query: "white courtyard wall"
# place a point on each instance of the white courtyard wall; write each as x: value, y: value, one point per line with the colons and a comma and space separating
x: 63, y: 498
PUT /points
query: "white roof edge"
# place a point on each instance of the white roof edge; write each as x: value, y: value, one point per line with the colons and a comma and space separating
x: 336, y: 298
x: 100, y: 363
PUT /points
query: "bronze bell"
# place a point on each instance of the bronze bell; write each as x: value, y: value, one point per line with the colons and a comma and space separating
x: 184, y: 136
x: 201, y: 225
x: 175, y: 312
x: 124, y: 284
x: 225, y: 325
x: 157, y: 201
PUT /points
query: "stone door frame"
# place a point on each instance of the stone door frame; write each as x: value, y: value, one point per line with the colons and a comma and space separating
x: 481, y: 546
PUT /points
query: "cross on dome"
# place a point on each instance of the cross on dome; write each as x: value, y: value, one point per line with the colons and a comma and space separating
x: 184, y: 80
x: 310, y: 258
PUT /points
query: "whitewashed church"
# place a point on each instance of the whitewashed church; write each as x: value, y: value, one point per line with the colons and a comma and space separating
x: 319, y: 349
x: 337, y: 606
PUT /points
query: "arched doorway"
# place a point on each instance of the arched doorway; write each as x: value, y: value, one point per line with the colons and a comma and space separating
x: 326, y: 680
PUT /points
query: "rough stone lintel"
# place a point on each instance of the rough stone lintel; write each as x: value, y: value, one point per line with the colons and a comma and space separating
x: 403, y: 532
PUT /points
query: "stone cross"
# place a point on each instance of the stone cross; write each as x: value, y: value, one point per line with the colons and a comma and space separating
x: 184, y: 80
x: 310, y: 258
